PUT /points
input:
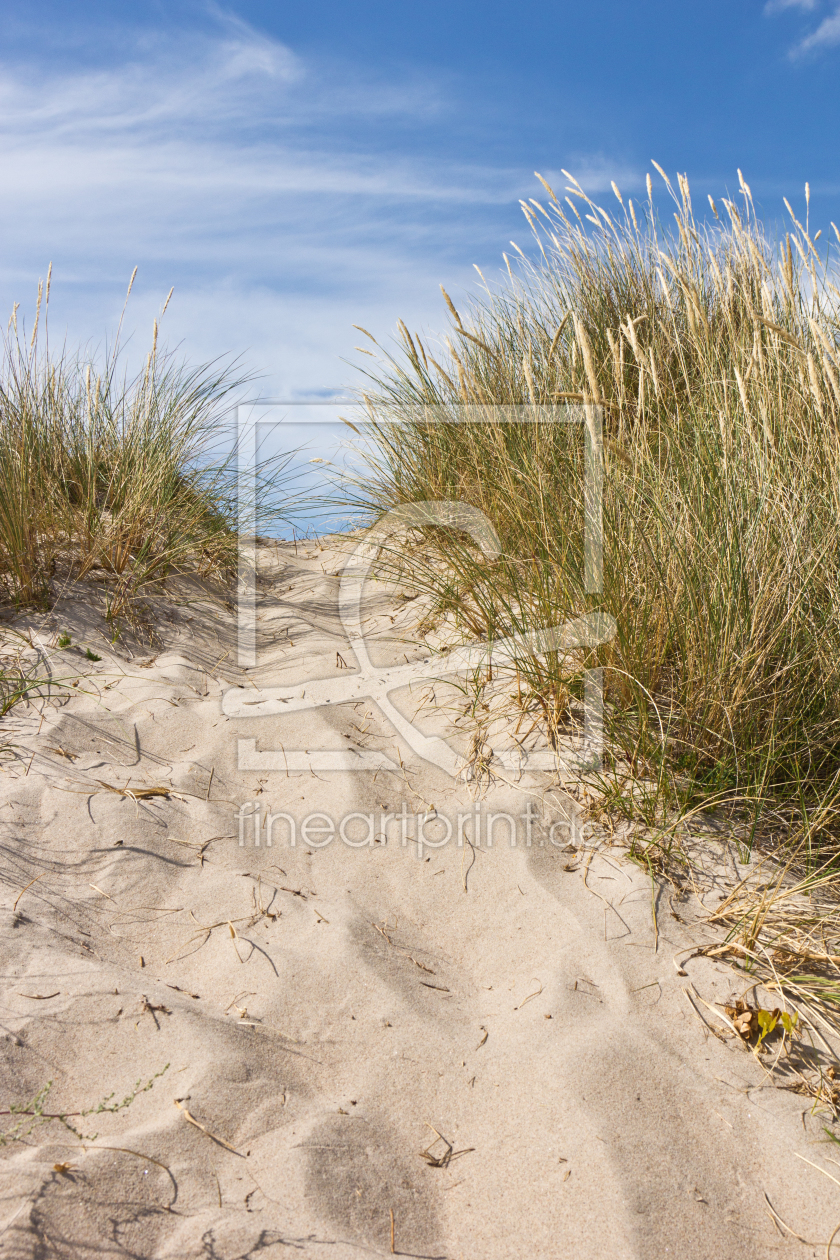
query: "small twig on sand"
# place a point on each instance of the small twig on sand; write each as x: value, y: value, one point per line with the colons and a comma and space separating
x: 466, y: 872
x: 136, y: 794
x: 29, y: 885
x: 213, y: 1137
x: 441, y: 1161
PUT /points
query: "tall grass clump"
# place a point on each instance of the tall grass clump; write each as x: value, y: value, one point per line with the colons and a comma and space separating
x: 104, y: 470
x: 714, y: 354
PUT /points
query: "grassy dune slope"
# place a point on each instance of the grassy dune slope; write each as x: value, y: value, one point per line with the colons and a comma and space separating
x: 714, y: 355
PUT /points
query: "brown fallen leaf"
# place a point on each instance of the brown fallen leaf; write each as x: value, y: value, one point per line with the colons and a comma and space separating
x: 742, y: 1018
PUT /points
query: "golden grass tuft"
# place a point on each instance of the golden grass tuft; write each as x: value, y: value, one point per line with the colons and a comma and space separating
x: 714, y: 353
x: 100, y: 470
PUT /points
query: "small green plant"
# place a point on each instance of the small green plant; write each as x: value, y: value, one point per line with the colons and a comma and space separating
x: 21, y: 677
x: 32, y: 1114
x: 767, y: 1021
x: 64, y: 640
x: 91, y: 656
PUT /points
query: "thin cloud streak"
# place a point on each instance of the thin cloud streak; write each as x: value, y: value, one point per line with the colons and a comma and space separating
x: 274, y: 193
x: 205, y: 86
x: 776, y: 6
x: 827, y: 35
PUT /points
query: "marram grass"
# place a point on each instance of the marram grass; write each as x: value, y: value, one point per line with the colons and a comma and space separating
x: 100, y: 470
x: 715, y: 356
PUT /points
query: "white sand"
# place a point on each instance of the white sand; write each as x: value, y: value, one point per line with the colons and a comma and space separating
x: 529, y: 1018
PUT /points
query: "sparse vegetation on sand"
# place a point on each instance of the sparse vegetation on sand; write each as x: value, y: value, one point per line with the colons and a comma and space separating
x: 104, y: 471
x: 715, y: 357
x: 32, y: 1114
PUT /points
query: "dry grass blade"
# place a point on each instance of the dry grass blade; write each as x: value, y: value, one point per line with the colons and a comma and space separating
x: 720, y: 1036
x: 16, y: 1214
x: 813, y: 1165
x: 720, y: 1014
x: 136, y: 794
x: 529, y: 997
x: 206, y: 930
x: 444, y: 1160
x: 198, y: 1125
x: 125, y: 1150
x: 786, y: 929
x: 23, y: 890
x: 784, y: 1224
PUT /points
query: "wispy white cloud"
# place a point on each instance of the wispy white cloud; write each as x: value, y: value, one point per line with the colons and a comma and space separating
x: 204, y: 84
x: 280, y: 196
x: 776, y: 6
x: 827, y: 35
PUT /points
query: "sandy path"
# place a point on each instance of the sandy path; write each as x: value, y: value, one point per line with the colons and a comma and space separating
x: 321, y: 1008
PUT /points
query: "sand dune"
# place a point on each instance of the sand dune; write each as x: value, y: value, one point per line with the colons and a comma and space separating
x: 330, y: 1011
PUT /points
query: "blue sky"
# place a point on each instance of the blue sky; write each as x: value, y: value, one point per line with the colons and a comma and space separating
x: 294, y: 169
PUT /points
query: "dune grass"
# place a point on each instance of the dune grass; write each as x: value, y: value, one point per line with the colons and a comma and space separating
x: 714, y: 355
x: 103, y: 470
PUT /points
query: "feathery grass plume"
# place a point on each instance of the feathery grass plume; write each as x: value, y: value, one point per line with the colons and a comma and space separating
x: 715, y: 355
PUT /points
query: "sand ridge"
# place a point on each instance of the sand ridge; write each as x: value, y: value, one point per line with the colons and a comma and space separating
x: 325, y: 1012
